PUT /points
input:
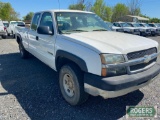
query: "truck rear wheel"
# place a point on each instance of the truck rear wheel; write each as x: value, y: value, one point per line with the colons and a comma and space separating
x: 72, y: 85
x: 23, y: 52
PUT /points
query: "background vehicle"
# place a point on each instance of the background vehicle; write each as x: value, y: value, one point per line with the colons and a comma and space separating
x: 89, y: 58
x: 113, y: 28
x: 143, y: 30
x: 3, y: 33
x: 155, y: 26
x: 5, y: 23
x: 127, y: 28
x: 153, y: 30
x: 11, y: 27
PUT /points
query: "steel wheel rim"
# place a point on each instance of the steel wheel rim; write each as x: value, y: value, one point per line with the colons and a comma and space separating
x: 68, y: 85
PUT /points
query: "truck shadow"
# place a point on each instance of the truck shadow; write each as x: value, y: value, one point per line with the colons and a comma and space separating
x: 36, y: 88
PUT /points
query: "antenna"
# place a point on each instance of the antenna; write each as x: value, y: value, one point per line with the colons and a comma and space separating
x: 59, y: 4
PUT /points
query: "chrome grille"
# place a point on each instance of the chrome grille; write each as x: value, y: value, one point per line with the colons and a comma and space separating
x: 148, y: 30
x: 136, y: 30
x: 140, y: 54
x: 119, y: 30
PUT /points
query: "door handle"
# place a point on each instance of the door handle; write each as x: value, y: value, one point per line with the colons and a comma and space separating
x: 37, y: 38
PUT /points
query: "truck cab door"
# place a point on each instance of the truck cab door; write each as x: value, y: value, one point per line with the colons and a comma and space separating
x: 33, y: 42
x: 46, y: 41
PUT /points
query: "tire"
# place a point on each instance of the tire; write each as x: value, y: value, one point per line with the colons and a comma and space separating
x: 14, y: 36
x: 24, y: 54
x: 8, y: 34
x: 72, y: 85
x: 4, y: 37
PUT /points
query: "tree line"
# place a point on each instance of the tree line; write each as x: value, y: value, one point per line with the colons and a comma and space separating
x: 106, y: 12
x: 111, y: 14
x: 7, y: 12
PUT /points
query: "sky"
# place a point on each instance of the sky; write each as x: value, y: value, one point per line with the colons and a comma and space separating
x: 150, y: 8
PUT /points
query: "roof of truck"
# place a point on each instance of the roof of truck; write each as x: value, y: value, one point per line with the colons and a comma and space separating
x: 56, y: 10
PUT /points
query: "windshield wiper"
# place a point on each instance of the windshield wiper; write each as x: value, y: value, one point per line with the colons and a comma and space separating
x: 100, y: 30
x: 76, y: 30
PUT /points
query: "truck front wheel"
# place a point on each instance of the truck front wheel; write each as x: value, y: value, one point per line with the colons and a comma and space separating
x: 23, y: 52
x: 72, y: 85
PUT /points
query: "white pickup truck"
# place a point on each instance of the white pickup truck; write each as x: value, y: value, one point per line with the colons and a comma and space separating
x: 3, y: 32
x: 126, y: 28
x: 88, y: 58
x: 144, y: 31
x: 12, y: 25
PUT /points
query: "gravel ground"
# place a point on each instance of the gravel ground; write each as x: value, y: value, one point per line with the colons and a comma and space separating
x: 29, y: 90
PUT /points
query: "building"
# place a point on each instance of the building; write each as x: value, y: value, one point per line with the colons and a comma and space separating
x: 130, y: 18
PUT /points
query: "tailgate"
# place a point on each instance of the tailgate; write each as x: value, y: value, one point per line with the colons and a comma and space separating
x: 1, y: 28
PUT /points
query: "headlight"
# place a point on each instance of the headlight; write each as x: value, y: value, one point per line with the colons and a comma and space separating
x: 112, y: 59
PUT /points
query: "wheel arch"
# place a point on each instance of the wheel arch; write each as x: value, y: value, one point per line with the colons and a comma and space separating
x: 64, y: 57
x: 18, y: 38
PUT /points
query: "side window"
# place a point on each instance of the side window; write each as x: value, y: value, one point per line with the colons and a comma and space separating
x: 114, y: 24
x: 46, y: 20
x: 117, y: 25
x: 151, y: 25
x: 141, y: 25
x: 35, y: 21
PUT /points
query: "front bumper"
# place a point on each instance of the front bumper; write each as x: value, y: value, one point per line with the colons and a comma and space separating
x: 110, y: 87
x: 136, y: 33
x: 153, y: 33
x: 158, y: 32
x: 3, y: 33
x: 145, y: 33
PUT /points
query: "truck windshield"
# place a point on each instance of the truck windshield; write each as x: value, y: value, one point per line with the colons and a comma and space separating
x: 17, y: 23
x: 136, y: 25
x: 158, y: 25
x: 125, y: 25
x: 13, y: 23
x: 146, y: 25
x: 71, y: 22
x: 6, y: 24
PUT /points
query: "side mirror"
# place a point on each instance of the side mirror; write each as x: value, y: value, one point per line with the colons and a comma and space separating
x: 44, y: 30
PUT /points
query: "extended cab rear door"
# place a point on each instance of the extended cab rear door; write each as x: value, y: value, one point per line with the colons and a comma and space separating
x: 32, y: 34
x: 47, y: 42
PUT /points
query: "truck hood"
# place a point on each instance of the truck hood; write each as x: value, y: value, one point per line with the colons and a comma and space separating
x: 116, y: 27
x: 111, y: 42
x: 144, y: 28
x: 132, y: 28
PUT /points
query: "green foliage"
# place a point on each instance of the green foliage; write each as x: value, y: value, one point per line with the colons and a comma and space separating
x: 154, y: 20
x: 120, y: 10
x: 108, y: 14
x: 28, y: 17
x: 134, y: 7
x: 111, y: 14
x: 78, y: 6
x: 7, y: 12
x: 102, y: 10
